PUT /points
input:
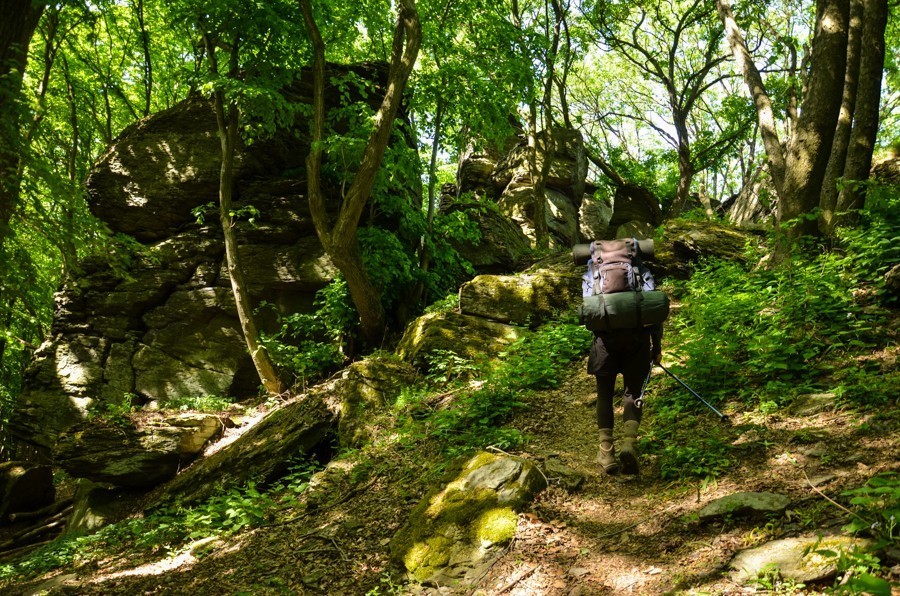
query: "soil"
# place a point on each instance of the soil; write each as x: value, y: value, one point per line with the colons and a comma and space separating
x: 612, y: 535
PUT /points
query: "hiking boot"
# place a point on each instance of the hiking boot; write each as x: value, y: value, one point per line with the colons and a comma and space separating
x: 628, y: 455
x: 606, y: 457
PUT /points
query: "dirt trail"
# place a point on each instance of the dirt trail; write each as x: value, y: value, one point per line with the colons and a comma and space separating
x: 640, y: 535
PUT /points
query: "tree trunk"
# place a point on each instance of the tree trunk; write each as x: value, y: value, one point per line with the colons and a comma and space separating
x: 340, y: 240
x: 764, y: 111
x: 810, y: 146
x: 829, y: 198
x: 20, y: 18
x: 865, y: 115
x: 686, y: 168
x: 227, y: 118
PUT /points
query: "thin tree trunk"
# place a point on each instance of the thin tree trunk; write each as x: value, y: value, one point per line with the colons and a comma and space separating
x: 227, y: 117
x: 865, y: 116
x: 764, y: 111
x: 340, y: 240
x: 810, y: 146
x: 148, y: 63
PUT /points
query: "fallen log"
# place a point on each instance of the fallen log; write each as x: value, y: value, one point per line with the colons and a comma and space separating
x: 43, y: 512
x: 15, y: 552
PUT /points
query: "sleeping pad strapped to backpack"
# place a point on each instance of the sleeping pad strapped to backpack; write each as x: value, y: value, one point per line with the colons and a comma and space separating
x: 619, y: 292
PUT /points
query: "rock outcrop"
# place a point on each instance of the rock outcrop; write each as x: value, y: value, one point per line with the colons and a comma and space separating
x: 160, y: 322
x: 509, y: 181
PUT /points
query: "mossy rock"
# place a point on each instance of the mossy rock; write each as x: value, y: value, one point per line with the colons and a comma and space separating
x: 527, y: 299
x: 459, y: 529
x: 368, y: 386
x: 470, y: 337
x: 686, y: 242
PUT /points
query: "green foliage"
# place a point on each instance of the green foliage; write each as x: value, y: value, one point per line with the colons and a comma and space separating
x: 171, y: 528
x: 856, y: 568
x: 769, y: 579
x: 113, y: 413
x: 539, y: 361
x: 877, y: 505
x: 200, y: 403
x: 782, y: 324
x: 311, y: 344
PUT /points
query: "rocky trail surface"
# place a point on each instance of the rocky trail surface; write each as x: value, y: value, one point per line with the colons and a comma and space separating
x: 588, y: 533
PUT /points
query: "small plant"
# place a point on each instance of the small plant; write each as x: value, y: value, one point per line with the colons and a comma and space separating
x: 113, y: 413
x: 447, y: 365
x: 877, y: 505
x: 200, y: 403
x: 856, y: 572
x: 770, y: 580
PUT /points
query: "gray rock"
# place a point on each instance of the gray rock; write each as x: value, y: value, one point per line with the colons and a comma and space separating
x: 566, y: 477
x: 121, y: 454
x: 794, y: 558
x: 97, y: 505
x: 502, y: 248
x: 745, y: 504
x: 457, y: 531
x: 368, y: 386
x: 24, y: 486
x: 593, y: 218
x: 810, y: 404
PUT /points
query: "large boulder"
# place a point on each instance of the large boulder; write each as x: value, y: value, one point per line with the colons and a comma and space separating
x: 459, y: 529
x: 560, y: 215
x: 502, y: 247
x: 470, y: 337
x: 24, y: 487
x: 161, y: 323
x: 594, y: 216
x: 634, y: 203
x: 125, y: 455
x: 527, y: 299
x: 801, y: 559
x: 568, y: 167
x: 686, y: 242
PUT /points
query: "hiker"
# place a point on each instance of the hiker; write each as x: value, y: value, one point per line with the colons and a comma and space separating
x: 629, y: 352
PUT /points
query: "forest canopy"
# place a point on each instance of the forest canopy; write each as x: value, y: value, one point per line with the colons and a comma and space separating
x: 696, y: 101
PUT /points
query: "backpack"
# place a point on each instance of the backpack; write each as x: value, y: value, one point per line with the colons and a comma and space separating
x: 618, y: 291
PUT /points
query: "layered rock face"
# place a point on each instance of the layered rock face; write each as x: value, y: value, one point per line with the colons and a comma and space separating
x: 508, y: 180
x: 162, y: 324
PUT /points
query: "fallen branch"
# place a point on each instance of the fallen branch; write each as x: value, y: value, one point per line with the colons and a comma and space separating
x: 636, y: 524
x: 23, y: 537
x: 15, y: 552
x: 48, y: 510
x: 522, y: 574
x: 835, y: 503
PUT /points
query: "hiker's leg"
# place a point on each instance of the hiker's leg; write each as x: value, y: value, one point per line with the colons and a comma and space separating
x: 606, y: 385
x: 635, y: 371
x: 637, y: 365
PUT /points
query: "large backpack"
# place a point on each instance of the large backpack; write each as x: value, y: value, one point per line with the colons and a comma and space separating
x: 619, y: 292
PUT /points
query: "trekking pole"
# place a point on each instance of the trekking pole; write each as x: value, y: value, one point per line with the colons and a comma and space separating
x: 721, y: 416
x: 639, y: 402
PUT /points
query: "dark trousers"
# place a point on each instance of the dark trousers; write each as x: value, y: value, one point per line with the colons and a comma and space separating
x: 619, y: 352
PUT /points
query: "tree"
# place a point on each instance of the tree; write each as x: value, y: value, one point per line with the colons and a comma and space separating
x: 20, y: 19
x: 677, y: 49
x: 844, y: 82
x: 339, y: 238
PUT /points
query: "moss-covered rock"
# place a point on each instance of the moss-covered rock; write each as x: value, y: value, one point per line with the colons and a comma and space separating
x: 526, y: 299
x: 471, y: 337
x: 457, y: 530
x: 685, y: 242
x: 368, y: 385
